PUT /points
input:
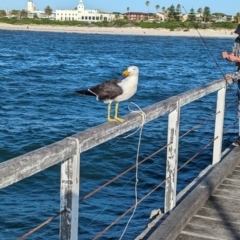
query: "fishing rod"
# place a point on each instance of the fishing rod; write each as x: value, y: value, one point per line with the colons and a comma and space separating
x: 210, y: 53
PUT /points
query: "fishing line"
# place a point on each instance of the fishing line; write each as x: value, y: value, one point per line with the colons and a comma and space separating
x: 140, y: 129
x: 143, y: 115
x: 215, y: 61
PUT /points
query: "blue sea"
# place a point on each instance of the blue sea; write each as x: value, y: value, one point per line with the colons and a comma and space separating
x: 39, y: 72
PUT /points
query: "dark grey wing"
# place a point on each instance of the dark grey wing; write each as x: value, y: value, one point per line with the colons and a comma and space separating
x: 107, y: 90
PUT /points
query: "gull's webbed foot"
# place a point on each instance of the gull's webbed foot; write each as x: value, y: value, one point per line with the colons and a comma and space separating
x: 119, y: 119
x: 111, y: 119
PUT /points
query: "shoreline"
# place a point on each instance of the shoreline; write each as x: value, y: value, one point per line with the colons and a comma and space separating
x: 120, y: 31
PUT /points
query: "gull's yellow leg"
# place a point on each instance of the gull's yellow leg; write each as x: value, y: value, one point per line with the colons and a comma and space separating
x: 109, y: 113
x: 116, y: 114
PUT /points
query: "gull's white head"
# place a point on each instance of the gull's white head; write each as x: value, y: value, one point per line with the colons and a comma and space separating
x: 131, y: 71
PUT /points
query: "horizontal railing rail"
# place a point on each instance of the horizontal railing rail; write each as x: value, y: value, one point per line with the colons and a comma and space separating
x: 18, y: 168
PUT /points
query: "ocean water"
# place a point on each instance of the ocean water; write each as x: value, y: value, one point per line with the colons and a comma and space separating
x: 39, y: 73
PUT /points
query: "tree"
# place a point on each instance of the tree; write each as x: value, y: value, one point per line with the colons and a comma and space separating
x: 23, y: 14
x: 164, y: 13
x: 3, y: 13
x: 206, y: 14
x: 117, y: 16
x: 157, y: 7
x: 147, y: 4
x: 178, y: 14
x: 128, y: 9
x: 15, y: 13
x: 163, y: 10
x: 191, y: 15
x: 171, y: 13
x: 218, y: 15
x: 48, y: 11
x: 237, y: 17
x: 200, y: 11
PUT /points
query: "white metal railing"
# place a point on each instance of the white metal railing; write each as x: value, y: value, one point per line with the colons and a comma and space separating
x: 68, y: 152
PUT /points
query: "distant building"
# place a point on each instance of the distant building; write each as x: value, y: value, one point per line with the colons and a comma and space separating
x: 229, y: 18
x: 82, y: 14
x: 34, y: 13
x: 136, y: 16
x: 161, y: 16
x: 30, y: 6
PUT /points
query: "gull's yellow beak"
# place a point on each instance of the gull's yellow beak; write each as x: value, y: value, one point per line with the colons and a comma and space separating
x: 126, y: 73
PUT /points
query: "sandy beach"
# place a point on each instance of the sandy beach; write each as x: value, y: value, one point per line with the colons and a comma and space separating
x: 120, y: 31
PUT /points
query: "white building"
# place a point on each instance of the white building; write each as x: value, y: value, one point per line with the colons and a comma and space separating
x: 82, y: 14
x: 30, y: 6
x: 33, y: 13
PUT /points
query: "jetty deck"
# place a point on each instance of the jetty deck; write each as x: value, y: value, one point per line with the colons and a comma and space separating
x: 212, y: 208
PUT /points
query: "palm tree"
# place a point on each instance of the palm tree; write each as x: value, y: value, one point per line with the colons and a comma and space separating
x: 48, y: 11
x: 128, y: 12
x: 178, y: 12
x: 164, y: 12
x: 200, y: 11
x: 15, y: 13
x: 157, y: 7
x: 23, y: 14
x: 147, y: 4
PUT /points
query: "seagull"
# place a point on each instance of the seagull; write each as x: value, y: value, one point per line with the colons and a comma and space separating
x: 115, y: 91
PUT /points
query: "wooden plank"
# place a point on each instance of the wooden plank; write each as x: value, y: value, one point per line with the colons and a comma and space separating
x: 230, y: 182
x: 236, y: 173
x: 215, y: 223
x: 228, y: 191
x: 26, y: 165
x: 225, y: 194
x: 213, y: 213
x: 185, y: 236
x: 222, y: 203
x: 213, y: 231
x: 177, y: 220
x: 233, y: 177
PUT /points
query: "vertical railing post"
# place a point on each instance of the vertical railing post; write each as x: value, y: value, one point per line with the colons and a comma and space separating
x: 172, y: 158
x: 219, y: 120
x: 69, y: 196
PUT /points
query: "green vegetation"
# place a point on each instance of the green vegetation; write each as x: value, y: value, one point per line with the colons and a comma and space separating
x: 172, y: 25
x: 42, y: 22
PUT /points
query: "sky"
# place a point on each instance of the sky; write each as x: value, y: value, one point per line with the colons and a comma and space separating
x: 229, y: 7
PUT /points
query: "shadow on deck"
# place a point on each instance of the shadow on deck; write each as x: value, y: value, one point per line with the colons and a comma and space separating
x: 209, y: 210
